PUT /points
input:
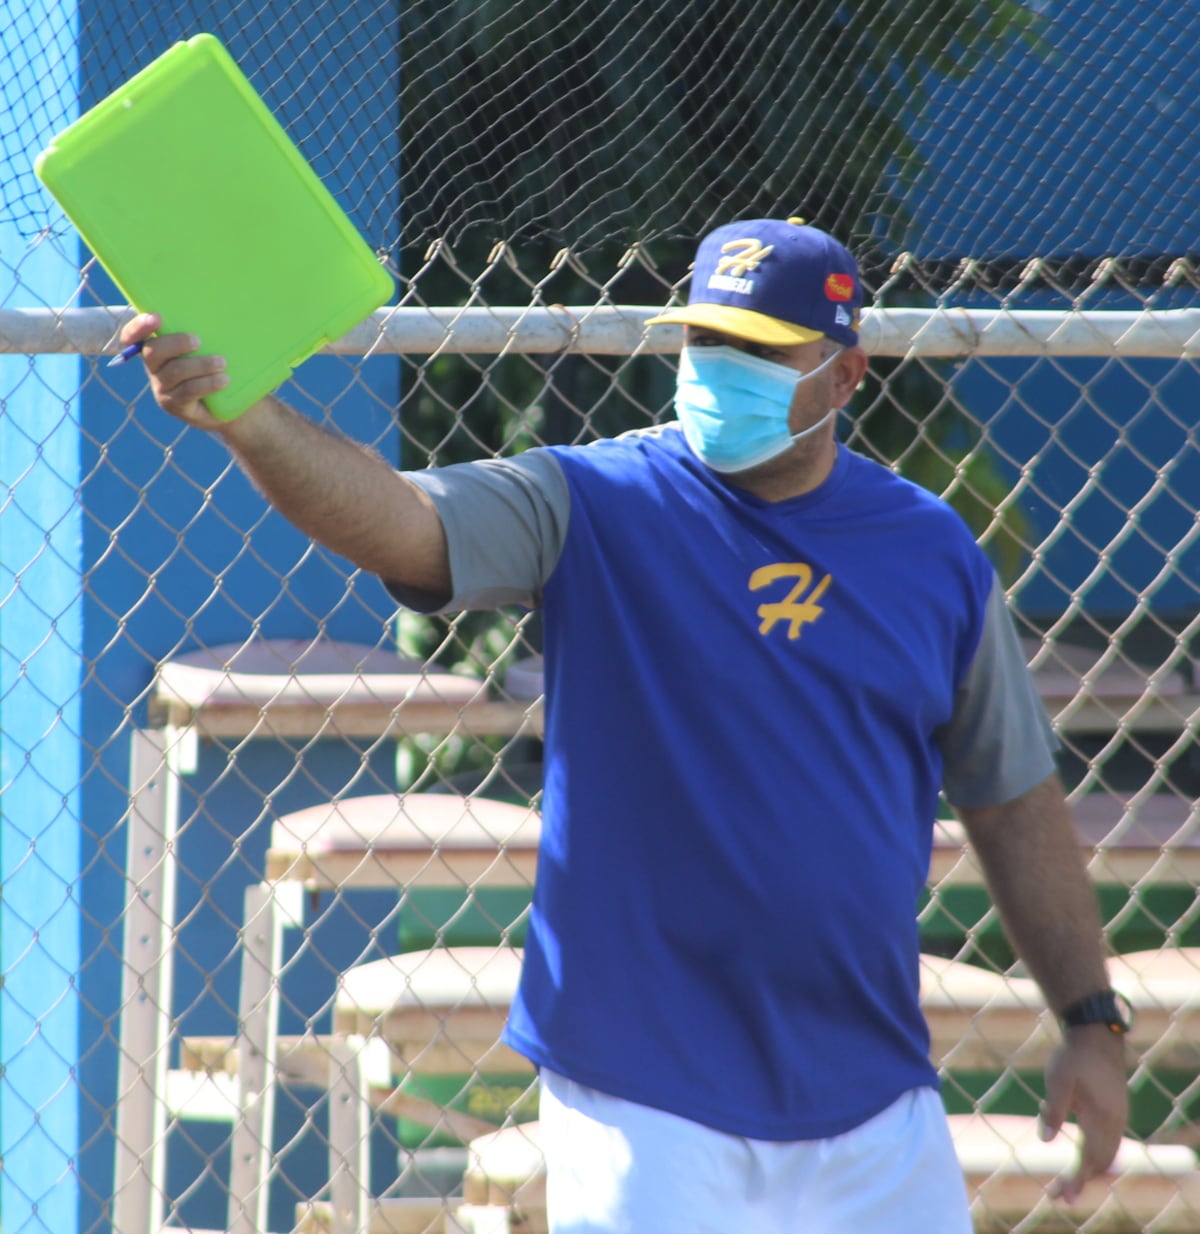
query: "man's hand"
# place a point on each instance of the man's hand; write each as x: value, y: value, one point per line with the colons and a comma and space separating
x: 178, y: 379
x: 1086, y: 1078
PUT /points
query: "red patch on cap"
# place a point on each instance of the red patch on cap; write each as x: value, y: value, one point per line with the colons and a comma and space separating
x: 839, y: 287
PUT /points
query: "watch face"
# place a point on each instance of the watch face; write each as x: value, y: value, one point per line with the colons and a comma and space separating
x: 1125, y: 1016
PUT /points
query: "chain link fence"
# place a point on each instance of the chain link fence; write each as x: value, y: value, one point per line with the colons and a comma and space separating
x: 268, y: 843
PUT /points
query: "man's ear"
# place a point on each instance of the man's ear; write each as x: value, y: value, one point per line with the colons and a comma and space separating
x: 849, y: 370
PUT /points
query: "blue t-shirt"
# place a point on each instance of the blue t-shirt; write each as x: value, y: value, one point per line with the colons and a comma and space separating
x: 745, y: 705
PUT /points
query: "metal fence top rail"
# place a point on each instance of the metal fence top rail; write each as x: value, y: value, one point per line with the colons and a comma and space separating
x: 622, y: 330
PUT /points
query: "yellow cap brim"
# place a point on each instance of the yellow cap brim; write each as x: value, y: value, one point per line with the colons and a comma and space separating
x: 741, y: 323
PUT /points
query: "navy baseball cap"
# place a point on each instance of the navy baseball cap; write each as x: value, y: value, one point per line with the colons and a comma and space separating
x: 773, y: 281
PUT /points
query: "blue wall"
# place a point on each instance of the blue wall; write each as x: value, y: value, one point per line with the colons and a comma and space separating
x: 152, y: 554
x: 1085, y: 145
x: 1126, y: 429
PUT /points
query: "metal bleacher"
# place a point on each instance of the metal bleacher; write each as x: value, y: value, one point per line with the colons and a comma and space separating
x: 440, y: 1010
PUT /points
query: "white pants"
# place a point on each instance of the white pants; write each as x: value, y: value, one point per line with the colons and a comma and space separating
x: 613, y: 1167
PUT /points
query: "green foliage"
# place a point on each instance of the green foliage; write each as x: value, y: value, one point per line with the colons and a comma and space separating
x: 480, y: 645
x: 906, y: 418
x: 603, y: 121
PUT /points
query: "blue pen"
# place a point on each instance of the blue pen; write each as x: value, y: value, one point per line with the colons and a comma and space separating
x: 124, y: 354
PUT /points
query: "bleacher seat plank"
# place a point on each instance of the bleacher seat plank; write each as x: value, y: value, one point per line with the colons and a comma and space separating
x: 1009, y: 1172
x: 1083, y: 697
x: 440, y: 1011
x: 290, y: 688
x: 1128, y: 841
x: 409, y: 840
x: 391, y: 1215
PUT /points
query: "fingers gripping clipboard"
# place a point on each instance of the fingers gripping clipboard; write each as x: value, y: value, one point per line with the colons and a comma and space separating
x: 202, y: 210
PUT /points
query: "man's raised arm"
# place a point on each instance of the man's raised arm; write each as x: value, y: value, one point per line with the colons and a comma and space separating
x: 335, y: 490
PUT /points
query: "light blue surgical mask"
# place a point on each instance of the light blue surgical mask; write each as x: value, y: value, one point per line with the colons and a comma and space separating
x: 734, y: 407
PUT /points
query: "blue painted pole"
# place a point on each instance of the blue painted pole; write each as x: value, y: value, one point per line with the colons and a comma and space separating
x: 41, y: 666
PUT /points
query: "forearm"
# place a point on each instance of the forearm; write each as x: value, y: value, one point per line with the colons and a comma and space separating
x: 343, y: 495
x: 1040, y: 886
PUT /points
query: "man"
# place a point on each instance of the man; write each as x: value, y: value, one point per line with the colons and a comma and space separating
x: 764, y: 656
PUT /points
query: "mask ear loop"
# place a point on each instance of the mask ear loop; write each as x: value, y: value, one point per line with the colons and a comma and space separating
x: 812, y: 428
x: 833, y: 411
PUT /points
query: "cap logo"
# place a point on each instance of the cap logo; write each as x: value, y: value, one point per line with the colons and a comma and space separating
x: 742, y: 255
x: 839, y: 287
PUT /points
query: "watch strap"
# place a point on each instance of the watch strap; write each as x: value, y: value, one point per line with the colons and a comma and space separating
x: 1105, y: 1007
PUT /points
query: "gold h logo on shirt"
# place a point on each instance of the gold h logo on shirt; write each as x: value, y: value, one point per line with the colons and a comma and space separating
x: 796, y: 608
x: 742, y: 255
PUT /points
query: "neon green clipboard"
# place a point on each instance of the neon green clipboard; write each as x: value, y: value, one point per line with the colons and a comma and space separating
x: 202, y: 210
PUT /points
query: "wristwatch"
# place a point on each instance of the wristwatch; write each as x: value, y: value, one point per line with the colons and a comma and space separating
x: 1105, y: 1007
